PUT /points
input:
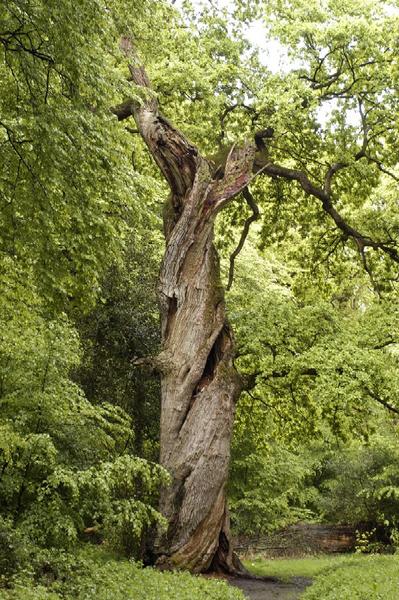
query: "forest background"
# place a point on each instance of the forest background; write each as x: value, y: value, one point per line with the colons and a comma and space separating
x: 313, y: 301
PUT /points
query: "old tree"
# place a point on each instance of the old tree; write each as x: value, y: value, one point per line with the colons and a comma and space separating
x: 310, y: 151
x: 345, y: 174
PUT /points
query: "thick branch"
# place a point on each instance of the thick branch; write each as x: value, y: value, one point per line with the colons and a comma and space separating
x: 237, y: 175
x: 381, y: 401
x: 253, y: 217
x: 124, y: 111
x: 330, y: 174
x: 175, y: 156
x: 179, y: 160
x: 161, y: 363
x: 310, y: 188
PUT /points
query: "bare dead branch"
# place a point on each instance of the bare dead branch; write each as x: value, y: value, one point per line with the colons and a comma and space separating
x: 253, y: 217
x: 175, y: 156
x: 237, y: 175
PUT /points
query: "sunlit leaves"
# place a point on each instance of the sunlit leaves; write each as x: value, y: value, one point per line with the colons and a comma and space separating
x: 313, y: 365
x: 68, y: 187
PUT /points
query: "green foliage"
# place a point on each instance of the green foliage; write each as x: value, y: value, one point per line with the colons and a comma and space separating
x: 337, y: 577
x: 317, y: 333
x: 95, y: 574
x: 365, y: 543
x: 332, y: 103
x: 60, y: 145
x: 124, y: 325
x: 14, y: 553
x: 315, y: 366
x: 114, y: 496
x: 223, y: 67
x: 62, y: 460
x: 267, y: 487
x: 318, y: 373
x: 69, y: 197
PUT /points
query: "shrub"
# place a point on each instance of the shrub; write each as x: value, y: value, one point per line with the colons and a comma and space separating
x: 95, y: 574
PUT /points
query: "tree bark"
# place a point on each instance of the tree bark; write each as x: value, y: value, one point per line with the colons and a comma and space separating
x: 200, y: 385
x: 199, y: 389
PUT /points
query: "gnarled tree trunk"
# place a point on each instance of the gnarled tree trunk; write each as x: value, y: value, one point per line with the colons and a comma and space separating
x: 200, y: 385
x: 199, y: 389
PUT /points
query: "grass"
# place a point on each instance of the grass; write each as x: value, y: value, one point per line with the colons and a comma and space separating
x: 286, y: 568
x: 341, y: 577
x: 358, y: 578
x: 91, y: 573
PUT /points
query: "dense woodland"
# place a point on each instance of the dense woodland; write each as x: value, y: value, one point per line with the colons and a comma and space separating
x: 147, y: 137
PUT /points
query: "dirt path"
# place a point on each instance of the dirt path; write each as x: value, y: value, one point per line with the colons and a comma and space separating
x: 266, y: 590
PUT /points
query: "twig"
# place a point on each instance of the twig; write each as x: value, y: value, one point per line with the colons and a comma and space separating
x: 381, y: 401
x: 255, y: 215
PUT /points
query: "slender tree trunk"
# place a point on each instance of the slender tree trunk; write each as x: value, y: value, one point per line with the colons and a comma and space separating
x: 200, y: 385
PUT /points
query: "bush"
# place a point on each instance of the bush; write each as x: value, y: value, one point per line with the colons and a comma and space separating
x: 95, y: 574
x: 361, y: 483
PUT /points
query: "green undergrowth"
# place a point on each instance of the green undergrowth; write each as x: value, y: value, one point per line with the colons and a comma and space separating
x: 94, y: 573
x: 358, y: 578
x: 341, y: 577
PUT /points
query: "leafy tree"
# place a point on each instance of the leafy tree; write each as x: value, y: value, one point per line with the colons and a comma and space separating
x: 122, y: 327
x: 69, y: 193
x: 327, y: 176
x: 320, y: 379
x: 64, y: 465
x: 66, y: 176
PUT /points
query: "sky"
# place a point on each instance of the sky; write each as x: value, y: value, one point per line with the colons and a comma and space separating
x: 275, y: 57
x: 272, y: 54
